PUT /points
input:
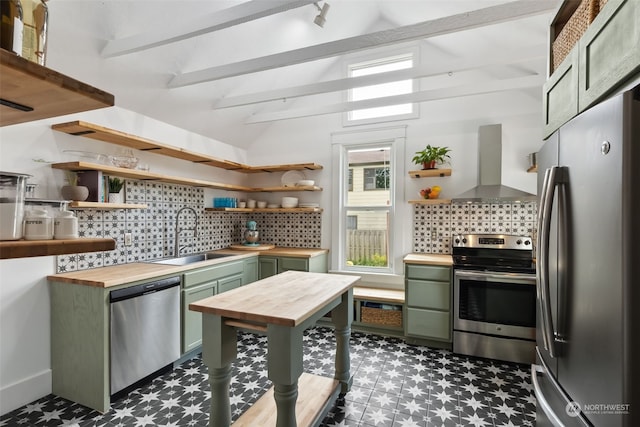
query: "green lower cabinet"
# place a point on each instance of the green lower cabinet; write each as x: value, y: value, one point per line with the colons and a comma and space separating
x: 428, y: 298
x: 270, y: 266
x: 229, y: 283
x: 192, y: 320
x: 250, y: 270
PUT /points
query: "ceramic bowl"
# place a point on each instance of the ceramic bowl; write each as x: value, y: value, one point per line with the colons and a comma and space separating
x: 305, y: 183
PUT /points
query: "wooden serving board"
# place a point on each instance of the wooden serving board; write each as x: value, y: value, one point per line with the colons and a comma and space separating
x: 252, y: 248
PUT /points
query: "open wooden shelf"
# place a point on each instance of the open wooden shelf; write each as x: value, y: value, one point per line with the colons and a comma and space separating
x: 32, y: 248
x: 31, y: 92
x: 270, y: 210
x: 429, y: 201
x: 429, y: 173
x: 104, y: 205
x: 100, y: 133
x: 150, y: 176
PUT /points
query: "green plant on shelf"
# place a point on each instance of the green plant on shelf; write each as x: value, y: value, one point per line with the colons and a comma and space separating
x: 115, y: 184
x: 430, y: 156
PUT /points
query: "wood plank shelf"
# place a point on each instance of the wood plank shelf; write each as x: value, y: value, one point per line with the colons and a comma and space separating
x: 269, y: 210
x: 430, y: 173
x: 32, y: 248
x: 100, y: 133
x: 104, y: 205
x: 429, y: 201
x: 150, y: 176
x: 30, y: 92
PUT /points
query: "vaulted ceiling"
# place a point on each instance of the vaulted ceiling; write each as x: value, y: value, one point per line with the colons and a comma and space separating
x: 229, y: 69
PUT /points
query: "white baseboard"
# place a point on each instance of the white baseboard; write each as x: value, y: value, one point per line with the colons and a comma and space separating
x: 26, y: 391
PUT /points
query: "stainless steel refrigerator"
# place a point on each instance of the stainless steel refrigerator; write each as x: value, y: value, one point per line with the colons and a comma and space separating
x: 587, y: 369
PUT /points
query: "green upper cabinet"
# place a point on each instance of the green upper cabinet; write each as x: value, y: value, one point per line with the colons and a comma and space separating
x: 606, y: 55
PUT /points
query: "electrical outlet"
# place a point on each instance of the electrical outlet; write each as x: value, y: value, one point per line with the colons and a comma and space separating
x: 128, y: 239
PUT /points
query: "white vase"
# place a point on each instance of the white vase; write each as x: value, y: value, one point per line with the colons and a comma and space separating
x: 116, y: 198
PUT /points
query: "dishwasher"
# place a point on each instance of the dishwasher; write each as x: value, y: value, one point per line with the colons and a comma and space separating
x: 145, y: 331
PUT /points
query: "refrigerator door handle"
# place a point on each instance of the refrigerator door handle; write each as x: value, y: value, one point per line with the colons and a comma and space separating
x: 541, y: 400
x: 553, y: 177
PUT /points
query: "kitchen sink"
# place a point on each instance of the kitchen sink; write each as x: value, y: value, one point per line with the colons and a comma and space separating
x: 190, y: 259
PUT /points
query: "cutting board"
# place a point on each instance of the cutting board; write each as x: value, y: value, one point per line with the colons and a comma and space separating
x: 252, y: 248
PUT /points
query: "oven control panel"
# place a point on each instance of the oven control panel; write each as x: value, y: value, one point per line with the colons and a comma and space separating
x: 492, y: 241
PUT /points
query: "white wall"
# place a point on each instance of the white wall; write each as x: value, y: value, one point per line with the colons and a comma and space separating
x: 25, y: 367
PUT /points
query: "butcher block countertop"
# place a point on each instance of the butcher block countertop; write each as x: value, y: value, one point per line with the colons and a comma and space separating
x: 286, y: 299
x: 429, y: 259
x: 105, y: 277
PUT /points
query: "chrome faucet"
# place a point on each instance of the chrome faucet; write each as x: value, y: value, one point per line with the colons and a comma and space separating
x: 179, y: 248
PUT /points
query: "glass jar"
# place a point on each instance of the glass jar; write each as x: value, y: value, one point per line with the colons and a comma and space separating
x: 11, y: 26
x: 12, y: 191
x: 34, y: 36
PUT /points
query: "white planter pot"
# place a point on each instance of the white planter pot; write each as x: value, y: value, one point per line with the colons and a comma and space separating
x: 116, y: 198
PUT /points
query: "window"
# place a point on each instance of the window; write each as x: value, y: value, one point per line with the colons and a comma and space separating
x: 401, y: 87
x: 369, y: 166
x: 376, y: 178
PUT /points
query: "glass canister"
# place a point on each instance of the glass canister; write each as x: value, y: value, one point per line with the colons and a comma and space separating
x: 38, y: 225
x: 12, y: 193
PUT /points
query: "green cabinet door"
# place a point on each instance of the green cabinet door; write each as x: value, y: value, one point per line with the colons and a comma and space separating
x: 192, y: 320
x: 250, y: 270
x: 268, y: 266
x: 296, y: 264
x: 229, y: 283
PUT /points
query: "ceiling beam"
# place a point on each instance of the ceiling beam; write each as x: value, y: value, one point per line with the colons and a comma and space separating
x: 244, y: 12
x: 468, y: 63
x: 423, y: 96
x: 449, y: 24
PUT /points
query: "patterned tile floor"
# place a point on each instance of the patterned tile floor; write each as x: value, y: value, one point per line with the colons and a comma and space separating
x: 395, y: 385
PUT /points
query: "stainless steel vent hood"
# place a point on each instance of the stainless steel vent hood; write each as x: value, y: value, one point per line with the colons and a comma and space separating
x: 490, y: 186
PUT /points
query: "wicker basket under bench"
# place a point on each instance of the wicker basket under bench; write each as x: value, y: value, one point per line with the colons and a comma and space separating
x: 379, y: 308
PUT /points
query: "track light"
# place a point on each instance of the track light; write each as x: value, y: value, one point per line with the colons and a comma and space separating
x: 322, y: 16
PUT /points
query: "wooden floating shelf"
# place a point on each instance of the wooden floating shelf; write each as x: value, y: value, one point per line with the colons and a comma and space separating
x: 533, y: 169
x: 150, y: 176
x: 429, y: 201
x: 104, y: 205
x: 428, y: 173
x: 33, y: 248
x: 100, y: 133
x: 30, y: 92
x: 270, y: 210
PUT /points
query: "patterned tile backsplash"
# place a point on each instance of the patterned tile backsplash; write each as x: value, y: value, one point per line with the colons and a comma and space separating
x: 433, y: 225
x: 153, y: 229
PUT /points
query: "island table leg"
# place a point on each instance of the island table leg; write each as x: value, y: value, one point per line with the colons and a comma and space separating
x: 341, y: 317
x: 219, y: 350
x: 284, y: 365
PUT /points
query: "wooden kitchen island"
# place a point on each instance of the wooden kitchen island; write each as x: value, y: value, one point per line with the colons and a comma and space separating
x: 282, y: 307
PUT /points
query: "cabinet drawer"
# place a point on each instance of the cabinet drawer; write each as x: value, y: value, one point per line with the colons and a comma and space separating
x: 428, y: 324
x: 298, y: 264
x: 428, y: 272
x: 609, y: 50
x: 192, y: 278
x: 560, y: 94
x: 428, y: 294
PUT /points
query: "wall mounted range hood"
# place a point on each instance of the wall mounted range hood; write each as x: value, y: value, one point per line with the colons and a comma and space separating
x: 490, y: 188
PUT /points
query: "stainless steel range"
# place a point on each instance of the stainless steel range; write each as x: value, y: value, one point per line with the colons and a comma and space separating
x: 494, y: 297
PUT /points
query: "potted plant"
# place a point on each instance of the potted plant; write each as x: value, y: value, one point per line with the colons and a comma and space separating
x: 431, y: 156
x: 73, y: 191
x: 115, y: 186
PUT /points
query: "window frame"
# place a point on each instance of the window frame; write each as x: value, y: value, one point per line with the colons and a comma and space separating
x: 342, y: 142
x: 379, y: 58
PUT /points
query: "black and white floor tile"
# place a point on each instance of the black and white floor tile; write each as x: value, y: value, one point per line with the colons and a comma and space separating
x: 395, y: 385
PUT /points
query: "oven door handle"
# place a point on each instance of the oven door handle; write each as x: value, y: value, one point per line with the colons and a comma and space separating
x: 489, y: 276
x: 553, y: 177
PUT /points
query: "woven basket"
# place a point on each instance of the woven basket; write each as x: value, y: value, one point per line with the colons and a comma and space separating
x: 574, y: 28
x: 380, y: 316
